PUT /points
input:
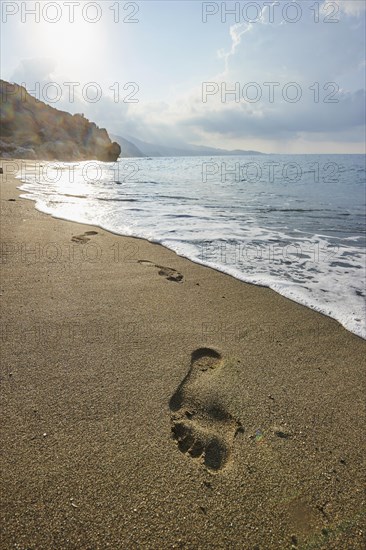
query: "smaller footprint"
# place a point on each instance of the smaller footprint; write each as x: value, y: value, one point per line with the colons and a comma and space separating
x: 168, y: 272
x: 82, y: 239
x: 203, y: 428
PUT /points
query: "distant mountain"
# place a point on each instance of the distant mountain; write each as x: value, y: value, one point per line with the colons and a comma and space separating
x: 202, y: 150
x: 31, y: 129
x: 128, y: 149
x: 154, y: 150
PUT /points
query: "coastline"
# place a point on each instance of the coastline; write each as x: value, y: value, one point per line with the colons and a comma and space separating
x: 310, y: 268
x: 97, y: 335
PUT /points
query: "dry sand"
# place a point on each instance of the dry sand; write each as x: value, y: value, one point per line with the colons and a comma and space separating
x: 149, y: 402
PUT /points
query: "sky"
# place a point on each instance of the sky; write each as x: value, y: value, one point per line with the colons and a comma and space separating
x: 275, y: 76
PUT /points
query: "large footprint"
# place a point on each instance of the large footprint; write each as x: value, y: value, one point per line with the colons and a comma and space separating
x: 203, y: 428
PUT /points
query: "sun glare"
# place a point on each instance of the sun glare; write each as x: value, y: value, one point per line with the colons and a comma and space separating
x: 73, y: 42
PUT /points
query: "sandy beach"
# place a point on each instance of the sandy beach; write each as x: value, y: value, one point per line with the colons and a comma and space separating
x: 148, y: 402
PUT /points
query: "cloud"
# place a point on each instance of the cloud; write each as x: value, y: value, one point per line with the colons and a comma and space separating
x: 236, y: 33
x: 352, y: 7
x: 286, y: 121
x: 34, y: 70
x: 326, y: 63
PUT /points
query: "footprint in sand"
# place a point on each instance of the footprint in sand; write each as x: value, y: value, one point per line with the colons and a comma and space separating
x: 168, y: 272
x: 82, y: 239
x: 203, y: 428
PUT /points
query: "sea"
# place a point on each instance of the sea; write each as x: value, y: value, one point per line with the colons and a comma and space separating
x: 293, y: 223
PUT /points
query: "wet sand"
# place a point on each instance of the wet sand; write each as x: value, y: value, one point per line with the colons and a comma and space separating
x: 149, y: 402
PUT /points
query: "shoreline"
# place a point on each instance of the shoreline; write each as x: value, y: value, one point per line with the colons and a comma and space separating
x: 101, y: 331
x: 195, y: 261
x: 347, y: 309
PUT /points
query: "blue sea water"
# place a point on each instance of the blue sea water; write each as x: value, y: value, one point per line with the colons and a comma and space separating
x: 294, y: 223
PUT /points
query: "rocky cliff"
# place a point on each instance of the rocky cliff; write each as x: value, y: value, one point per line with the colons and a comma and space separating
x: 33, y: 130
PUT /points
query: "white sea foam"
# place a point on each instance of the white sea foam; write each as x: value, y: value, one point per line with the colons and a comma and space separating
x: 302, y: 238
